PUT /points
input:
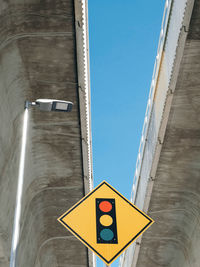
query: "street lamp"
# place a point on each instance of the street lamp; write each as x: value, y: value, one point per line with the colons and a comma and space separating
x: 44, y: 105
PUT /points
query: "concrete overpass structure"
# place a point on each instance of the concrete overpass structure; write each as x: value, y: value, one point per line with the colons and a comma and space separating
x: 167, y: 177
x: 44, y: 54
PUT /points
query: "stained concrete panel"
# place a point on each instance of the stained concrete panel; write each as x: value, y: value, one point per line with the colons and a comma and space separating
x: 174, y: 239
x: 38, y: 60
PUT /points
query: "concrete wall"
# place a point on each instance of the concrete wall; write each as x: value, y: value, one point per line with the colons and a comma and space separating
x: 174, y: 203
x: 170, y: 55
x: 38, y: 59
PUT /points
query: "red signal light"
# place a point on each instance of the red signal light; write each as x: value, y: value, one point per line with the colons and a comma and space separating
x: 105, y: 206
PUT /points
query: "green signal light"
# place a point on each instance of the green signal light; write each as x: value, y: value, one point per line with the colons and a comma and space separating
x: 107, y: 234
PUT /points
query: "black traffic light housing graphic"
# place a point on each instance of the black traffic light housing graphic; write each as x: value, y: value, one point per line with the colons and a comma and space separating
x: 106, y: 221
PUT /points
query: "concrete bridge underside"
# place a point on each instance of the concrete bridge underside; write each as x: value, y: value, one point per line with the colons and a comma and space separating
x: 174, y: 239
x: 41, y: 56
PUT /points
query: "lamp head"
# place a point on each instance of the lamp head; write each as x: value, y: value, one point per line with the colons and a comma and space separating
x: 51, y: 105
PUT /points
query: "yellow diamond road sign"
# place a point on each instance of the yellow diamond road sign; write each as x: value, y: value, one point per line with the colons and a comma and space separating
x: 106, y: 222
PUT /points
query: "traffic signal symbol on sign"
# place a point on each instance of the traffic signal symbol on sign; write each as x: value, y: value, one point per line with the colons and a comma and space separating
x: 114, y: 217
x: 106, y: 221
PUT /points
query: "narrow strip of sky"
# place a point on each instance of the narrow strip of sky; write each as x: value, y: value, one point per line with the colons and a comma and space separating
x: 123, y: 43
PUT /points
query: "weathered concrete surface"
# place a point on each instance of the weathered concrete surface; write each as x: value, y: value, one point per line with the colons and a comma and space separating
x: 174, y: 239
x: 38, y: 60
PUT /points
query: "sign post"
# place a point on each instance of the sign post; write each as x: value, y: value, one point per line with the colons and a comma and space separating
x: 106, y: 222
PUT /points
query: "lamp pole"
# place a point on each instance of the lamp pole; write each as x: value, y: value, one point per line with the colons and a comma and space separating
x: 20, y: 182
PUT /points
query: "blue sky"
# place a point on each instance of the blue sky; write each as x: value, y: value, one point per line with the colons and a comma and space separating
x: 123, y: 39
